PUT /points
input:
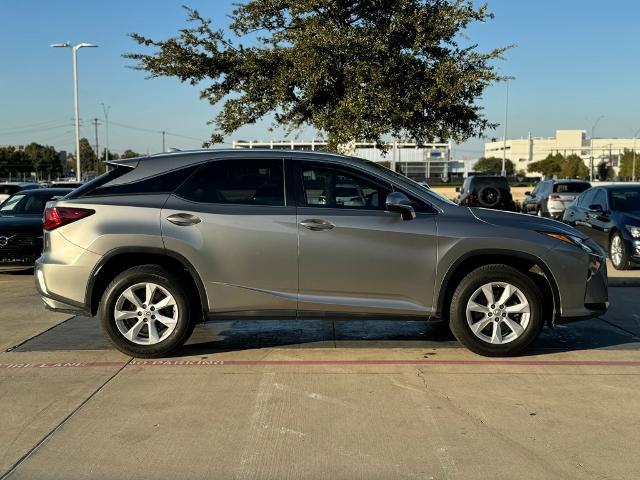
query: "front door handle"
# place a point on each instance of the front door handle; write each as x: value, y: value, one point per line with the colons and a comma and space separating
x: 183, y: 219
x: 317, y: 224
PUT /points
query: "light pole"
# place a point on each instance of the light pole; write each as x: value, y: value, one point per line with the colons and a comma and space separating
x: 506, y: 123
x: 633, y: 168
x: 106, y: 109
x: 74, y: 49
x: 593, y: 129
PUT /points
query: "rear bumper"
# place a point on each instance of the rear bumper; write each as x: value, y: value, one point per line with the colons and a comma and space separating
x: 55, y: 302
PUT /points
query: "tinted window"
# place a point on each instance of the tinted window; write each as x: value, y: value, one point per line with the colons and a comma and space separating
x: 100, y: 180
x: 332, y: 188
x: 586, y: 198
x: 28, y: 204
x: 245, y: 182
x: 163, y: 183
x: 600, y: 199
x: 499, y: 182
x: 625, y: 200
x: 571, y: 187
x: 8, y: 189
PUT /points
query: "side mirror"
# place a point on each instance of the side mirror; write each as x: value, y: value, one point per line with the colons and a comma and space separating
x: 528, y: 194
x: 398, y: 202
x: 458, y: 189
x: 595, y: 208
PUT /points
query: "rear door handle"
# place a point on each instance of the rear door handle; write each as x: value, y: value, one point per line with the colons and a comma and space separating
x: 317, y: 224
x: 183, y: 219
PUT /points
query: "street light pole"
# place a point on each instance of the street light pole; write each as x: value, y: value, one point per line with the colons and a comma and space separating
x: 506, y: 123
x: 106, y: 109
x: 593, y: 129
x: 633, y: 168
x: 76, y: 108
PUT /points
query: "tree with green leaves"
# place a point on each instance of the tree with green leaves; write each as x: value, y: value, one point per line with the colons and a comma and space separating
x: 573, y: 167
x: 87, y: 156
x: 549, y: 167
x: 352, y: 69
x: 493, y: 165
x: 626, y: 164
x: 130, y: 154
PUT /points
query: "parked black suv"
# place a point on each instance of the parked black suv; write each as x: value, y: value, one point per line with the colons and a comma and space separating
x: 487, y: 192
x: 550, y: 198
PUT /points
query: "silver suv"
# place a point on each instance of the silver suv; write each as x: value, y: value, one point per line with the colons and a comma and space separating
x: 162, y: 242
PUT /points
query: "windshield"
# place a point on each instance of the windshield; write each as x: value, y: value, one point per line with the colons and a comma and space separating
x: 27, y: 204
x: 625, y: 200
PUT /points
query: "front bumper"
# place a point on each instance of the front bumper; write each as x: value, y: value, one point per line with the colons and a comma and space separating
x: 582, y: 299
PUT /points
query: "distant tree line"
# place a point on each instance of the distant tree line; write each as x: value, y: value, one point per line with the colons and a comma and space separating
x: 45, y: 162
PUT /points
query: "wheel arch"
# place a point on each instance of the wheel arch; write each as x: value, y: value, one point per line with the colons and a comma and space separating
x: 527, y: 263
x: 120, y: 259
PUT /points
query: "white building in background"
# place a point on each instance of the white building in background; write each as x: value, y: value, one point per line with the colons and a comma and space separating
x: 523, y: 151
x: 417, y: 162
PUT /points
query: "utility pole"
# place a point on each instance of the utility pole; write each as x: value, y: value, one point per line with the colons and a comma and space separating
x: 506, y: 123
x: 106, y: 109
x: 593, y: 129
x: 95, y: 124
x: 163, y: 134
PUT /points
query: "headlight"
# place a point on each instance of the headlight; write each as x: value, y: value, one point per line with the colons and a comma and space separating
x: 571, y: 240
x: 634, y: 231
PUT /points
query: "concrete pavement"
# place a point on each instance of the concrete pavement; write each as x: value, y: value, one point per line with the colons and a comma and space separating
x: 262, y: 400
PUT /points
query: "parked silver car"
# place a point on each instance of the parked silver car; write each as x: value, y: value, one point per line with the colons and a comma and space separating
x: 160, y: 243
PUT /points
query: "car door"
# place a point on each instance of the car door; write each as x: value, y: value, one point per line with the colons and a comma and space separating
x: 355, y: 257
x: 580, y: 217
x: 232, y: 222
x: 598, y: 218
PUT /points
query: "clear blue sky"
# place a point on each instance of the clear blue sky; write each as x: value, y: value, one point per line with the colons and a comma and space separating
x: 574, y: 60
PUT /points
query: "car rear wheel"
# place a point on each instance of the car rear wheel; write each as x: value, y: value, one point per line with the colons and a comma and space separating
x: 496, y: 311
x: 618, y: 253
x: 145, y: 313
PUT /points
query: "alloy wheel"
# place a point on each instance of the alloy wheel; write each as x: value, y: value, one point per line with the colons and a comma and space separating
x: 498, y: 312
x: 616, y: 250
x: 146, y: 313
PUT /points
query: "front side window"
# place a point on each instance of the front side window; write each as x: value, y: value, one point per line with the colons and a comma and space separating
x: 335, y: 188
x: 243, y: 182
x: 586, y: 198
x: 27, y: 204
x: 600, y: 199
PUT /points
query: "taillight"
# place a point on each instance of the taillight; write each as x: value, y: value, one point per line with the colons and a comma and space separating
x: 470, y: 199
x: 55, y: 217
x: 554, y: 197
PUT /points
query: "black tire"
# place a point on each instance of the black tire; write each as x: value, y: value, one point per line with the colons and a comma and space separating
x: 158, y: 275
x: 465, y: 289
x: 489, y: 196
x: 625, y: 261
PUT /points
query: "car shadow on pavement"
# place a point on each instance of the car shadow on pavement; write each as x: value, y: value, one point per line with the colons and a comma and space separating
x: 83, y: 333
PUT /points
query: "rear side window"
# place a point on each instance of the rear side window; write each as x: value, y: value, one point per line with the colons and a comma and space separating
x: 164, y: 183
x: 572, y: 187
x: 240, y: 182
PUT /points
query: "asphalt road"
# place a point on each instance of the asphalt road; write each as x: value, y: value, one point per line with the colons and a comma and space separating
x: 342, y: 400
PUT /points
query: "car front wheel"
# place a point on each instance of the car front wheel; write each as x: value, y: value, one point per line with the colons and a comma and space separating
x: 145, y: 313
x: 496, y: 311
x: 618, y: 253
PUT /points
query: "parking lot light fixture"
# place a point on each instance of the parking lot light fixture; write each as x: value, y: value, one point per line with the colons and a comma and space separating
x: 74, y: 49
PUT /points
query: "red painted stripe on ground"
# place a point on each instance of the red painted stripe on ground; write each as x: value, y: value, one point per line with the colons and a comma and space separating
x: 219, y: 363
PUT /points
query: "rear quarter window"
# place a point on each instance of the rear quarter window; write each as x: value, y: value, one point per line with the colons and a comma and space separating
x: 165, y: 182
